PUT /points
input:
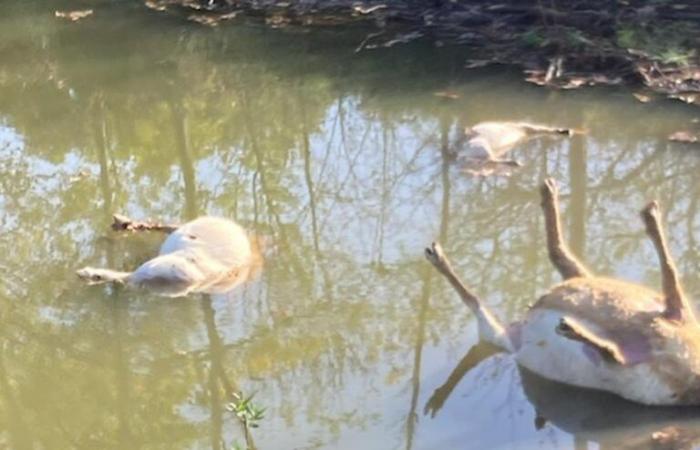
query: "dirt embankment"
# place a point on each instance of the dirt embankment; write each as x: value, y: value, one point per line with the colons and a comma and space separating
x: 560, y: 44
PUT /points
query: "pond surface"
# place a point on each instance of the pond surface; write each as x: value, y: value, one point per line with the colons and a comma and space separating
x: 342, y: 162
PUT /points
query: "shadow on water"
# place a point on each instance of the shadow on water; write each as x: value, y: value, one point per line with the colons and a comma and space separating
x: 589, y: 416
x: 119, y: 313
x: 426, y: 281
x: 221, y: 390
x: 598, y: 417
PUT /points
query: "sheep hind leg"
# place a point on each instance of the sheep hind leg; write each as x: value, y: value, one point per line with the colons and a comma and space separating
x: 93, y: 275
x: 677, y: 306
x: 559, y: 253
x: 123, y: 223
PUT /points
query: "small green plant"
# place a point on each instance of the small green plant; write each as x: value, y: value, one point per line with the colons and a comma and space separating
x: 677, y: 56
x: 667, y: 44
x: 249, y: 415
x: 533, y: 38
x: 246, y: 411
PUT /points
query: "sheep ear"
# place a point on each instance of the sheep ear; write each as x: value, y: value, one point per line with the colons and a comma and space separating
x: 609, y: 350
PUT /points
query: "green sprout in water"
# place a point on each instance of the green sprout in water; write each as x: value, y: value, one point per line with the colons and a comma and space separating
x: 248, y: 414
x: 246, y: 411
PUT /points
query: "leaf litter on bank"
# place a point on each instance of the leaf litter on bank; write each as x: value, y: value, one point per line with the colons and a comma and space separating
x: 73, y: 16
x: 568, y: 46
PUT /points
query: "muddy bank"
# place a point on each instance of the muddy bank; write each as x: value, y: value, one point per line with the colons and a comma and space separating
x: 563, y: 45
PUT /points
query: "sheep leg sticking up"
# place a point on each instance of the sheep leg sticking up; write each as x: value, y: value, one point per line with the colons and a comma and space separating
x: 559, y: 253
x: 677, y: 306
x: 123, y: 223
x: 95, y: 275
x: 490, y: 330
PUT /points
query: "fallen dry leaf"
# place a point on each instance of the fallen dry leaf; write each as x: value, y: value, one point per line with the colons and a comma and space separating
x: 277, y: 21
x: 692, y: 98
x: 568, y: 81
x: 685, y: 136
x: 476, y: 63
x: 575, y: 83
x: 73, y: 16
x: 642, y: 97
x: 446, y: 95
x: 193, y: 5
x: 399, y: 39
x: 368, y: 9
x: 211, y: 20
x: 155, y: 5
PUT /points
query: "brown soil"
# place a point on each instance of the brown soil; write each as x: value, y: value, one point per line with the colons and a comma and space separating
x: 559, y: 44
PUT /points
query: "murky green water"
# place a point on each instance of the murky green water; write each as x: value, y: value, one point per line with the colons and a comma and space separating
x: 342, y: 161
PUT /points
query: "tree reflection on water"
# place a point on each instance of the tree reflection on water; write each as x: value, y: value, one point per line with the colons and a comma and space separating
x: 343, y: 163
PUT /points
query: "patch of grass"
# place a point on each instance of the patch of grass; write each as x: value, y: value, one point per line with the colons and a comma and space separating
x: 533, y: 38
x: 668, y: 45
x: 677, y: 56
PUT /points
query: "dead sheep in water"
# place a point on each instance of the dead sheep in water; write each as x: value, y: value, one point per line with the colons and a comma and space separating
x: 597, y: 332
x: 207, y: 255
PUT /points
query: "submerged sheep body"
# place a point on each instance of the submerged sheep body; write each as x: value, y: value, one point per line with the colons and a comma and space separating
x: 208, y: 255
x: 597, y: 332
